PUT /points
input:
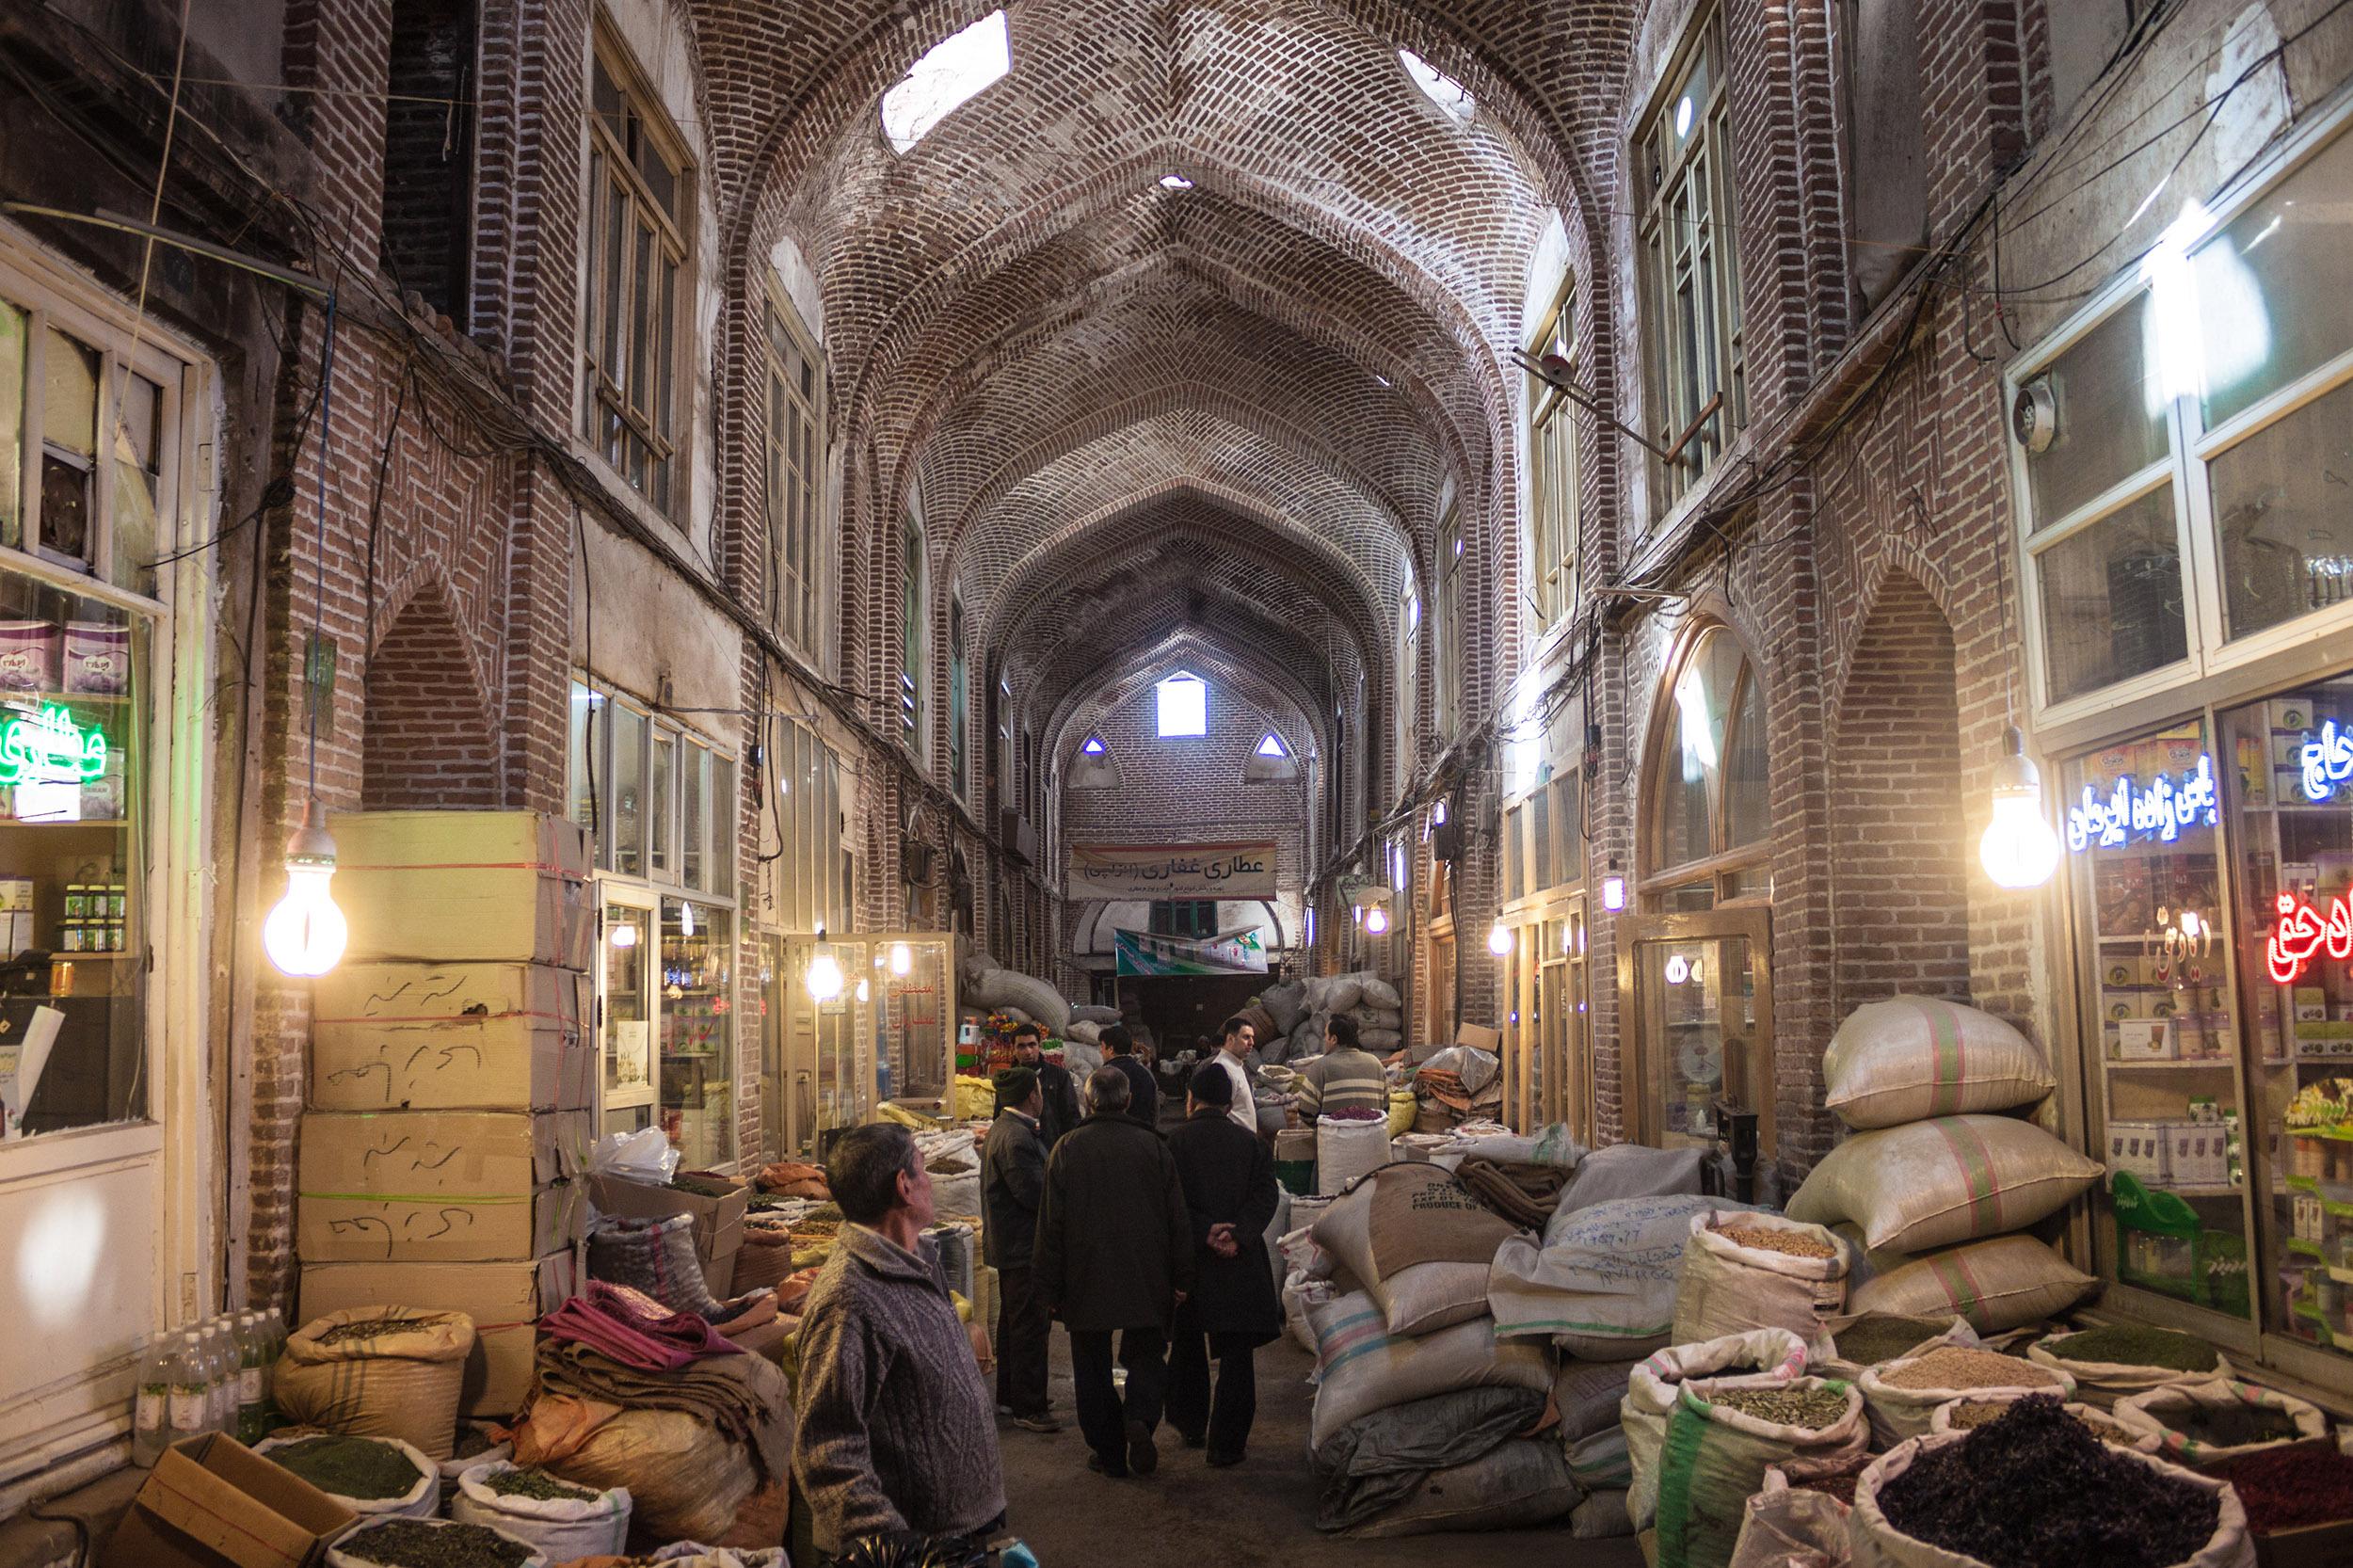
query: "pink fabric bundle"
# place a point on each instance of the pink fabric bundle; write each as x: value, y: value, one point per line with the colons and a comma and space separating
x: 633, y: 1328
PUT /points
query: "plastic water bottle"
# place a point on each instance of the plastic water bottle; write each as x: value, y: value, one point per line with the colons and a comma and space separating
x: 151, y: 1420
x: 186, y: 1402
x: 253, y: 1409
x: 219, y: 1380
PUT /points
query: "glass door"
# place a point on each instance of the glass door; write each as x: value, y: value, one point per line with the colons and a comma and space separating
x: 698, y: 1032
x: 1702, y: 993
x: 625, y: 1009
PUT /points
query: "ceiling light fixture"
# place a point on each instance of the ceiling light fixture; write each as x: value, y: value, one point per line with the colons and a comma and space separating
x: 1174, y: 181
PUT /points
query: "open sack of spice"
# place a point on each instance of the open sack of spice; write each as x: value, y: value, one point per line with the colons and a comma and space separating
x: 1852, y: 1343
x: 378, y: 1371
x: 2293, y: 1487
x: 2116, y: 1360
x: 1903, y: 1394
x: 431, y: 1543
x: 1743, y: 1271
x: 555, y: 1516
x: 1790, y: 1528
x: 1973, y: 1411
x: 2035, y: 1489
x: 1655, y: 1385
x: 370, y: 1476
x: 2203, y: 1424
x: 1722, y: 1438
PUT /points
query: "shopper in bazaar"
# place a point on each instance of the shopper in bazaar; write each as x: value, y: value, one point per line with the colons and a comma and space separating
x: 1062, y: 1094
x: 1013, y: 1183
x: 1344, y: 1078
x: 1235, y: 1041
x: 1231, y: 1198
x: 1115, y: 1256
x: 894, y: 1431
x: 1119, y: 1050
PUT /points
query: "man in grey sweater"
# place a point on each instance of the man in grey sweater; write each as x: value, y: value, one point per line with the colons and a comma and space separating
x: 895, y: 1431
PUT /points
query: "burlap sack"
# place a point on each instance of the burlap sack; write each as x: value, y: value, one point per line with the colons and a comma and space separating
x: 764, y: 1259
x: 2102, y: 1384
x: 402, y: 1384
x: 2003, y: 1284
x: 1419, y: 1242
x: 1910, y: 1058
x: 2162, y: 1413
x: 1725, y: 1287
x: 686, y: 1480
x: 1956, y: 1178
x: 1899, y: 1413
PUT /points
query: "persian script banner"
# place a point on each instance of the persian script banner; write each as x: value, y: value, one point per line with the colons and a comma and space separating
x: 1172, y: 870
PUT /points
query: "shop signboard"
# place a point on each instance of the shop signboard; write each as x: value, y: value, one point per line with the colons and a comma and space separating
x: 1236, y: 871
x: 1140, y: 953
x: 2126, y: 811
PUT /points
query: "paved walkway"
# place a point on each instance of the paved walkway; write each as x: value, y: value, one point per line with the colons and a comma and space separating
x: 1259, y: 1514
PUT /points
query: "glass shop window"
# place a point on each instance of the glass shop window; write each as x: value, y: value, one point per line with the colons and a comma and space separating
x: 1709, y: 793
x: 697, y: 1032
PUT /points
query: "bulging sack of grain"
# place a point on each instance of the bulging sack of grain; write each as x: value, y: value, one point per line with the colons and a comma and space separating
x: 1910, y: 1058
x: 1011, y: 988
x: 554, y: 1517
x: 1651, y: 1387
x: 370, y: 1544
x: 1094, y: 1015
x: 367, y: 1475
x: 1972, y: 1411
x: 2203, y: 1424
x: 1878, y: 1544
x: 1380, y: 994
x: 1602, y: 1282
x: 1517, y: 1485
x: 2117, y: 1361
x: 1347, y: 1149
x: 1418, y: 1240
x: 1902, y: 1396
x: 1587, y: 1393
x: 1624, y: 1171
x: 1933, y: 1183
x: 1783, y: 1528
x: 1853, y: 1341
x: 1723, y: 1437
x: 378, y: 1371
x: 1743, y: 1271
x: 686, y: 1478
x: 1995, y: 1286
x: 1361, y: 1366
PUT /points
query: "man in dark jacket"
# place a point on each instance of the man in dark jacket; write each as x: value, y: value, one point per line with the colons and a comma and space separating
x: 1013, y: 1183
x: 1230, y: 1197
x: 1115, y: 1255
x: 1061, y: 1096
x: 1143, y: 1095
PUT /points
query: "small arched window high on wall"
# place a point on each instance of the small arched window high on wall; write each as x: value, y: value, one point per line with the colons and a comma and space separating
x: 956, y: 698
x: 1708, y: 809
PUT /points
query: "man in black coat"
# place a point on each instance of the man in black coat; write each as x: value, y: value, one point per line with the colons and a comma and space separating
x: 1115, y: 1256
x: 1061, y: 1096
x: 1230, y: 1197
x: 1143, y: 1095
x: 1012, y: 1185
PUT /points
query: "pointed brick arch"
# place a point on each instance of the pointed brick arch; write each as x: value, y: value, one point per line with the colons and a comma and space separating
x: 429, y: 741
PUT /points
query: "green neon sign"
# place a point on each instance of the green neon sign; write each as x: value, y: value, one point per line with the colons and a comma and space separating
x: 48, y: 747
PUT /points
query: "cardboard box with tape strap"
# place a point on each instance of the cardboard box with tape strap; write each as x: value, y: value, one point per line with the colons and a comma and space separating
x: 440, y: 1186
x: 465, y: 886
x: 460, y: 1036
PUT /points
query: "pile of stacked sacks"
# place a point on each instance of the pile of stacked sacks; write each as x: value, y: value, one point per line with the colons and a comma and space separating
x: 1291, y: 1018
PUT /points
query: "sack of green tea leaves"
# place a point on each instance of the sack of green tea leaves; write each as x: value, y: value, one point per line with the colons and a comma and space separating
x: 1653, y: 1387
x: 2202, y: 1424
x: 1724, y: 1433
x: 378, y: 1371
x: 367, y: 1475
x: 556, y: 1517
x: 2116, y: 1361
x: 428, y: 1544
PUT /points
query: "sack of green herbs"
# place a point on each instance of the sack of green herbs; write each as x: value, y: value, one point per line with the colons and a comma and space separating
x: 378, y: 1371
x: 367, y: 1475
x: 2115, y: 1361
x: 1724, y: 1434
x: 1655, y: 1385
x: 430, y: 1543
x: 2202, y: 1424
x: 552, y: 1515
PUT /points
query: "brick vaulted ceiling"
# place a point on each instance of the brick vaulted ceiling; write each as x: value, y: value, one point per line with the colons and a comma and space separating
x: 1141, y: 422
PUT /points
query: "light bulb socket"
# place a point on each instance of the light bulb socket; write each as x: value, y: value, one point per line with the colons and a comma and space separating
x: 311, y: 847
x: 2015, y: 773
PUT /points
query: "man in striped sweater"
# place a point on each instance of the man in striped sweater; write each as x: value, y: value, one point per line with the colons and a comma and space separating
x: 1345, y: 1078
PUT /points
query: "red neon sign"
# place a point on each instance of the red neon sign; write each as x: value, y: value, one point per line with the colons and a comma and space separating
x: 2303, y: 931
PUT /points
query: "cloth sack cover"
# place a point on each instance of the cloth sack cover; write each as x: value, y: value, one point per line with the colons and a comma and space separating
x: 1361, y: 1366
x: 1878, y: 1544
x: 1602, y: 1281
x: 1910, y: 1058
x: 1771, y: 1354
x: 562, y: 1528
x: 1632, y: 1171
x: 1010, y: 988
x: 1782, y: 1528
x: 1587, y: 1393
x: 1715, y: 1458
x: 1600, y: 1461
x: 2102, y: 1384
x: 1348, y: 1148
x: 2162, y: 1413
x: 1546, y: 1146
x: 1375, y: 1464
x: 403, y: 1384
x: 1934, y: 1183
x: 342, y: 1555
x: 1726, y: 1288
x: 1995, y: 1286
x: 1899, y: 1413
x: 421, y: 1502
x: 1419, y: 1242
x: 1515, y: 1485
x: 1601, y: 1516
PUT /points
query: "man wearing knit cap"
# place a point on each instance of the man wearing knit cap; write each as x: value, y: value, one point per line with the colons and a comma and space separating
x: 1013, y: 1184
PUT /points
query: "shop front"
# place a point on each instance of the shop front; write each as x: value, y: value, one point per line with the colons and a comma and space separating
x: 2183, y: 452
x: 1547, y: 1052
x: 867, y: 1018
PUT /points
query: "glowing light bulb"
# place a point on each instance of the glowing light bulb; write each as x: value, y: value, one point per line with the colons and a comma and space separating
x: 1678, y: 968
x: 824, y: 976
x: 686, y: 919
x: 623, y: 937
x: 2019, y: 848
x: 1376, y: 920
x: 864, y: 991
x: 1499, y: 940
x: 306, y: 932
x: 902, y: 958
x: 1614, y: 892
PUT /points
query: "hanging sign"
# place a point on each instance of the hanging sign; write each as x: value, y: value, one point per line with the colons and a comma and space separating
x: 1140, y: 953
x: 2304, y: 932
x: 1172, y: 870
x: 48, y: 747
x: 2128, y: 812
x: 2326, y: 761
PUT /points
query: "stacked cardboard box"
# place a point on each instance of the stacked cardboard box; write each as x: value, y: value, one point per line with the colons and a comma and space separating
x: 451, y: 1080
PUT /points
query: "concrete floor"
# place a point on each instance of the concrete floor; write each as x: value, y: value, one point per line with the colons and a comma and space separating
x: 1259, y: 1514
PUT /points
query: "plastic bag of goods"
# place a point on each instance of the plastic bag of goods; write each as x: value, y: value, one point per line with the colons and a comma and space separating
x: 694, y: 1554
x: 1743, y: 1271
x: 1852, y: 1342
x: 1722, y: 1435
x: 1404, y: 1113
x: 1346, y: 1148
x: 1546, y: 1146
x: 2203, y: 1424
x: 1772, y: 1354
x: 427, y: 1543
x: 553, y: 1517
x: 972, y: 1099
x: 2037, y: 1490
x: 367, y: 1475
x: 1372, y: 1465
x: 1587, y: 1394
x: 1903, y: 1394
x: 2117, y: 1360
x: 1361, y: 1368
x: 1910, y: 1058
x: 378, y: 1371
x: 1791, y: 1528
x: 476, y: 1444
x: 1994, y: 1286
x: 1602, y: 1281
x: 1419, y: 1241
x: 1973, y: 1411
x: 1930, y: 1184
x: 1517, y: 1485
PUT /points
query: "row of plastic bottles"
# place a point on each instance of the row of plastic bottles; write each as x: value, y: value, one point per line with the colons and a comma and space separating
x: 211, y: 1378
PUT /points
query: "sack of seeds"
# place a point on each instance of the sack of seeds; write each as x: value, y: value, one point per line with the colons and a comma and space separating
x: 1723, y: 1435
x: 378, y: 1371
x: 1903, y: 1394
x: 2117, y: 1360
x: 1651, y: 1387
x: 430, y: 1543
x: 1975, y: 1409
x: 555, y: 1516
x: 2202, y: 1424
x: 367, y: 1475
x: 1791, y: 1530
x: 1743, y: 1271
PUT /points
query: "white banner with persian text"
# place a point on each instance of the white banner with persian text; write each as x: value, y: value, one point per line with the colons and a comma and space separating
x: 1172, y: 870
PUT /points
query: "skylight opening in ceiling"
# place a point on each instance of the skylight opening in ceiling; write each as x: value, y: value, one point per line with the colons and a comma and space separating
x: 1439, y: 87
x: 1184, y: 706
x: 954, y: 70
x: 1273, y: 746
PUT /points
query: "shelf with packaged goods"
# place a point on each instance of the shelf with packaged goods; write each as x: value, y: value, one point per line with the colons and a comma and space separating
x: 2170, y: 1063
x: 62, y: 699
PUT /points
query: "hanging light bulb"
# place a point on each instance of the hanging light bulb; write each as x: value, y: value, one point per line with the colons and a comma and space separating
x: 306, y: 932
x: 1499, y: 940
x: 686, y: 919
x: 824, y: 978
x: 623, y: 937
x: 1376, y: 919
x: 1613, y: 887
x: 2019, y: 849
x: 902, y: 958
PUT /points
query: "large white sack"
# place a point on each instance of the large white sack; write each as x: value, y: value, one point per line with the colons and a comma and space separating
x: 1301, y: 1295
x: 1934, y: 1183
x: 421, y: 1502
x: 2161, y: 1414
x: 1725, y: 1287
x: 1632, y: 1171
x: 1012, y: 988
x: 1286, y: 1004
x: 1278, y: 1224
x: 340, y: 1555
x: 1517, y: 1485
x: 1546, y: 1146
x: 1996, y: 1286
x: 1379, y: 993
x: 1079, y: 1058
x: 1769, y: 1354
x: 562, y: 1528
x: 1878, y: 1544
x: 1347, y: 1150
x: 2102, y: 1384
x: 1361, y: 1368
x: 1910, y: 1058
x: 1419, y: 1242
x: 1090, y: 1014
x: 1084, y: 1033
x: 1602, y: 1282
x: 1714, y: 1461
x: 1899, y: 1413
x: 1380, y: 1042
x: 1340, y: 994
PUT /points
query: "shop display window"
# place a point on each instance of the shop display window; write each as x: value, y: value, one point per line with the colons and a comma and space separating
x: 697, y: 980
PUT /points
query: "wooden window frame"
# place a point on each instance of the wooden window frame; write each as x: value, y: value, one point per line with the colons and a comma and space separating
x: 1724, y: 864
x: 1554, y: 514
x: 799, y: 543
